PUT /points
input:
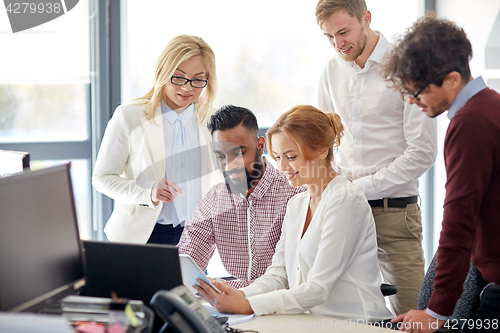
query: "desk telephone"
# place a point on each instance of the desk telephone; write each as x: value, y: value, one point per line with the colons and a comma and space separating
x: 180, y: 309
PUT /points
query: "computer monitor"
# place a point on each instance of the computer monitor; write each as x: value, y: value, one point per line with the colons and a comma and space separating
x: 12, y: 162
x: 41, y: 258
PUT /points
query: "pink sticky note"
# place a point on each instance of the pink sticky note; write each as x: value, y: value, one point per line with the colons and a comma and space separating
x: 90, y: 328
x: 115, y: 328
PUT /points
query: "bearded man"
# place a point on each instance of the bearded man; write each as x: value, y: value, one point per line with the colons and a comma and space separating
x: 387, y: 143
x: 242, y: 217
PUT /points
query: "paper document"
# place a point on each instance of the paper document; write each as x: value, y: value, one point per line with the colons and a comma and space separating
x: 29, y: 323
x: 232, y: 319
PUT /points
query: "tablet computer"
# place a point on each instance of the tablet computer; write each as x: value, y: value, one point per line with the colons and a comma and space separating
x: 191, y: 271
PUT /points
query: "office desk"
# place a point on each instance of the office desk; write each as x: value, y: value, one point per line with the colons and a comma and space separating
x: 306, y: 323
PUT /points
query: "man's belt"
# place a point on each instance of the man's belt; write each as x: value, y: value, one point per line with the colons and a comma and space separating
x: 394, y: 202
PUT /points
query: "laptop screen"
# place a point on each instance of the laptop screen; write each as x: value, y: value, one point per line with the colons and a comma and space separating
x: 130, y: 270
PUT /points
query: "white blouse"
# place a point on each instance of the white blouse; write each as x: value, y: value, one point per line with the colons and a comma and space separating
x: 333, y: 270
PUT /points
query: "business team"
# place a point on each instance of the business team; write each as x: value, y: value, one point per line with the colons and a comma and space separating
x: 317, y: 224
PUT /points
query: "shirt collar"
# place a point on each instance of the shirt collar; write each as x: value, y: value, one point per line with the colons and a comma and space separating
x: 378, y: 52
x: 467, y: 92
x: 172, y: 116
x: 380, y: 49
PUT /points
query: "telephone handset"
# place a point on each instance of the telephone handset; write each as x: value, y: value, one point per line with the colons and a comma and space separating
x: 180, y: 309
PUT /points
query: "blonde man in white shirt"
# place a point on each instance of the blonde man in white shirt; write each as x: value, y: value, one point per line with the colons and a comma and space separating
x: 388, y: 143
x: 326, y: 259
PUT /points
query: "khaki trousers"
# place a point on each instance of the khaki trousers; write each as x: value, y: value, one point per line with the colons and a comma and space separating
x: 400, y: 253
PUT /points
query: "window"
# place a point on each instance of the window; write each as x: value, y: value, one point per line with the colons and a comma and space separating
x: 44, y: 97
x: 270, y: 54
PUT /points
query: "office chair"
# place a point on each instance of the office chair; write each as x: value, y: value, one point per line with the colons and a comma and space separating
x: 468, y: 302
x: 388, y: 289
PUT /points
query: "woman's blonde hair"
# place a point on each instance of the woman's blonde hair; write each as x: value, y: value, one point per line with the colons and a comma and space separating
x: 310, y: 128
x: 177, y: 51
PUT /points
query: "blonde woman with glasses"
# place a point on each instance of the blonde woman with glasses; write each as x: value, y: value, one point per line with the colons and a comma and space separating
x: 150, y: 160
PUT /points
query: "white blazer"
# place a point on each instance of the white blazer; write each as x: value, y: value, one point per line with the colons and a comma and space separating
x: 130, y: 160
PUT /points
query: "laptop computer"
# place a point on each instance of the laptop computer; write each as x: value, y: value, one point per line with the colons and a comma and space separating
x: 130, y: 270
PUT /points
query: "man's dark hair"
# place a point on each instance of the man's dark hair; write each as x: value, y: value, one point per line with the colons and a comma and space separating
x: 230, y: 116
x: 425, y: 53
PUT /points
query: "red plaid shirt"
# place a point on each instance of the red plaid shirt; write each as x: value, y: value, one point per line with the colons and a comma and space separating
x: 245, y: 230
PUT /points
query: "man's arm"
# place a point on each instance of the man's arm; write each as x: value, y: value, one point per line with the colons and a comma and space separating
x: 198, y: 239
x: 467, y: 180
x: 469, y: 150
x: 421, y: 149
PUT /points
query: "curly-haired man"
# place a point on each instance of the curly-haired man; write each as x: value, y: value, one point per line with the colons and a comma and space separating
x: 430, y: 64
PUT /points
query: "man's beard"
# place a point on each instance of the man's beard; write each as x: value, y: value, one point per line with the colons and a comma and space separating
x: 358, y: 48
x: 443, y: 105
x: 251, y: 177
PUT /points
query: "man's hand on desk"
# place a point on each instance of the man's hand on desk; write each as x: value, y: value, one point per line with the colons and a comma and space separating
x: 229, y: 300
x: 418, y: 321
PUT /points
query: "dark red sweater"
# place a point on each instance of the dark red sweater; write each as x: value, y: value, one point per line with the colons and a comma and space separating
x: 471, y: 221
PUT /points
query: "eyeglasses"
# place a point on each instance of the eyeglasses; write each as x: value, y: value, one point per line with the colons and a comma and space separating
x: 419, y: 92
x: 438, y: 80
x: 195, y: 83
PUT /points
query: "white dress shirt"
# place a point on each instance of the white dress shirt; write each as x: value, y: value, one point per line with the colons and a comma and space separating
x: 333, y: 269
x: 388, y: 143
x: 192, y: 185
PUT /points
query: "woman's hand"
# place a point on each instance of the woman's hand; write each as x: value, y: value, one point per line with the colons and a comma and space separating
x: 165, y: 190
x: 229, y: 300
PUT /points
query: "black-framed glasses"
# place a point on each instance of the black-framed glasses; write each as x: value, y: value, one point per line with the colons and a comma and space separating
x: 419, y: 92
x: 438, y: 80
x: 195, y: 83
